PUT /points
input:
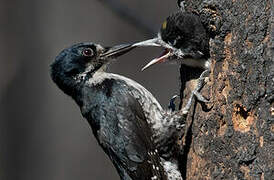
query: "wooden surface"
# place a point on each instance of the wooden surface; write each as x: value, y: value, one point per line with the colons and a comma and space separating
x: 234, y: 138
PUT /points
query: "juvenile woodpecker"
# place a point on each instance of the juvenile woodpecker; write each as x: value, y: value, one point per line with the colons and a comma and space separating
x: 126, y: 119
x: 185, y: 41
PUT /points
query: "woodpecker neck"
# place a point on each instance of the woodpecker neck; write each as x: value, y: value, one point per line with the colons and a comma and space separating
x: 72, y: 84
x: 72, y: 88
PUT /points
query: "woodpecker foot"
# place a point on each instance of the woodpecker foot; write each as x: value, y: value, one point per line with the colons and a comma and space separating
x: 196, y: 93
x: 174, y: 103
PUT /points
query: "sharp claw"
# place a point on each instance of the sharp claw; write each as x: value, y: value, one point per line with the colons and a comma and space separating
x: 196, y: 93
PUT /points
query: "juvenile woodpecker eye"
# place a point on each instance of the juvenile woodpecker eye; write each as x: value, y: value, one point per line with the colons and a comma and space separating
x: 88, y: 52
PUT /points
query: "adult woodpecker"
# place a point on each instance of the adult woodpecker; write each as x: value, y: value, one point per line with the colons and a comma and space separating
x: 126, y: 119
x: 185, y: 41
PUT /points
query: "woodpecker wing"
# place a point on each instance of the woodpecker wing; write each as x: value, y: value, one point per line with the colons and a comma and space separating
x: 123, y: 132
x: 140, y: 149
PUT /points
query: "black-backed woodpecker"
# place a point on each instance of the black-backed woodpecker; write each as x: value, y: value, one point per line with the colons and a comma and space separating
x: 185, y: 41
x: 127, y: 121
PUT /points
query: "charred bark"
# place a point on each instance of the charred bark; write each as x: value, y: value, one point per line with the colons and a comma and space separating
x: 232, y: 138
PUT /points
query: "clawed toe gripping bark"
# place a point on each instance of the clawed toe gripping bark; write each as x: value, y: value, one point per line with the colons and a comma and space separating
x: 196, y: 93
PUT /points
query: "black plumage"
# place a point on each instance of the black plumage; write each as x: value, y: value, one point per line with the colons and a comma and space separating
x: 184, y: 39
x: 186, y: 42
x: 116, y: 117
x: 184, y: 30
x: 119, y: 124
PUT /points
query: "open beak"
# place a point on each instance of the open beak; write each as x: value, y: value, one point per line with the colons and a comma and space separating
x: 116, y: 51
x: 164, y: 57
x: 158, y: 43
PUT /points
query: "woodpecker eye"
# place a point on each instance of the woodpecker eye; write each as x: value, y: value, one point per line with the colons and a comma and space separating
x: 88, y: 52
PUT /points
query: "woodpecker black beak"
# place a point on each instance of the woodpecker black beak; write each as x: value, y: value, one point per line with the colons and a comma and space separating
x: 116, y: 51
x: 158, y: 42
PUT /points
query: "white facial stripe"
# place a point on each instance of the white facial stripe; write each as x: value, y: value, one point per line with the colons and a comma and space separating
x: 99, y: 48
x: 82, y: 76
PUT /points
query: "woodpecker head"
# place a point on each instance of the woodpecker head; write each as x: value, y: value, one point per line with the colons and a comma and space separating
x: 74, y: 64
x: 182, y: 36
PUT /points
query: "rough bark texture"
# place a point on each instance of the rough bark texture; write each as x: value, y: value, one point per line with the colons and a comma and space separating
x: 233, y: 137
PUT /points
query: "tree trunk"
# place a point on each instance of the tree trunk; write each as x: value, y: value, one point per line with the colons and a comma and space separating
x: 232, y: 138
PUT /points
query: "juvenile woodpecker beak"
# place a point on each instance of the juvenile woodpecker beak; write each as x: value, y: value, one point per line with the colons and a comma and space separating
x: 166, y: 54
x: 158, y: 42
x: 116, y: 51
x: 150, y: 42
